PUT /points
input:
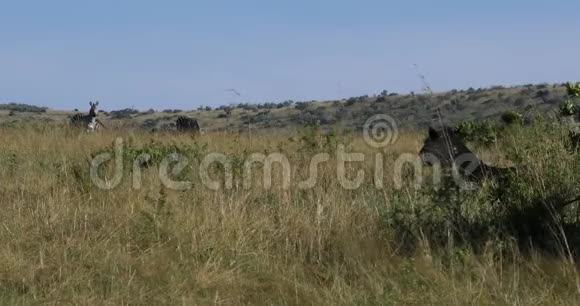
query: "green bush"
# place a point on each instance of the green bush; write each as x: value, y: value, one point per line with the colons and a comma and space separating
x: 480, y: 132
x: 510, y: 118
x: 573, y: 90
x: 568, y: 108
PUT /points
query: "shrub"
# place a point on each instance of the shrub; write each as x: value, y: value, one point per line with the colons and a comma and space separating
x: 351, y: 101
x: 313, y: 139
x: 519, y: 101
x: 124, y: 113
x: 481, y: 132
x: 573, y: 90
x: 301, y: 105
x: 149, y: 123
x: 510, y: 118
x: 567, y: 108
x: 542, y: 93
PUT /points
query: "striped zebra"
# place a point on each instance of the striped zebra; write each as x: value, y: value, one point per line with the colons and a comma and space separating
x: 89, y: 121
x: 186, y: 124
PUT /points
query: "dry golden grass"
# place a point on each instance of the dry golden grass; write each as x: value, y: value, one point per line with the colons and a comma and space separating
x: 66, y: 241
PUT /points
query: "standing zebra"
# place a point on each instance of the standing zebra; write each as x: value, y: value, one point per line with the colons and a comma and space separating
x: 186, y: 124
x: 89, y: 121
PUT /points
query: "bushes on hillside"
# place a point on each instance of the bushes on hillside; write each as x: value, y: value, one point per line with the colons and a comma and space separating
x: 123, y: 113
x: 172, y: 111
x: 353, y: 100
x: 301, y: 105
x: 18, y: 107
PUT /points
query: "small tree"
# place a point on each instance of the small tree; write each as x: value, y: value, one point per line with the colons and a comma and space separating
x: 568, y: 108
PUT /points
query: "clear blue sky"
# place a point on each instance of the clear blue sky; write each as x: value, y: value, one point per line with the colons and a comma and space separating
x: 183, y: 54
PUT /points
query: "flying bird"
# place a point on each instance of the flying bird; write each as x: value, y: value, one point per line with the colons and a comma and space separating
x: 237, y: 93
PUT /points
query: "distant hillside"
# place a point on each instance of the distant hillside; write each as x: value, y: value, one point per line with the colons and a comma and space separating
x: 410, y: 110
x: 19, y: 107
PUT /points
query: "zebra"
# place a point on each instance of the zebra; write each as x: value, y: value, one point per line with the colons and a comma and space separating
x: 448, y: 150
x: 186, y: 124
x: 89, y: 121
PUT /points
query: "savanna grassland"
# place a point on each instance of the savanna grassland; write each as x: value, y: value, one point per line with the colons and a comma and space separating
x: 67, y: 241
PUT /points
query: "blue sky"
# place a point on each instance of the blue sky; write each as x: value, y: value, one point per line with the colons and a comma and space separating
x: 184, y: 54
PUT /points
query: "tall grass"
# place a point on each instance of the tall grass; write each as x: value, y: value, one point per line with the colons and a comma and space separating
x: 64, y: 240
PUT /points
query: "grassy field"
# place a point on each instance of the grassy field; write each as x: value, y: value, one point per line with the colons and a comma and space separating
x: 65, y: 240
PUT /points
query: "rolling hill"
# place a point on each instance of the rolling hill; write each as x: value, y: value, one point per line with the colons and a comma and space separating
x: 409, y: 110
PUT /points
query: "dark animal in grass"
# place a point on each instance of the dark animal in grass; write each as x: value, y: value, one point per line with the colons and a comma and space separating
x: 532, y: 226
x: 186, y: 124
x: 446, y: 148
